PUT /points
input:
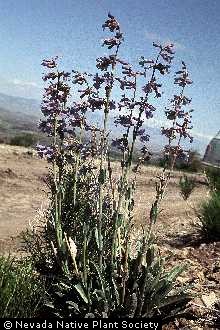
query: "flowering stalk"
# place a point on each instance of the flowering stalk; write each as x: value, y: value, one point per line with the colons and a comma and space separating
x: 53, y: 108
x: 142, y: 106
x: 116, y: 41
x: 177, y: 131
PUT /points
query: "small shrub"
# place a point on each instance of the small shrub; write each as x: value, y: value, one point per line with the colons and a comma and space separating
x: 187, y: 185
x: 21, y: 291
x: 191, y: 163
x: 213, y: 177
x: 209, y: 216
x: 24, y: 140
x: 194, y: 161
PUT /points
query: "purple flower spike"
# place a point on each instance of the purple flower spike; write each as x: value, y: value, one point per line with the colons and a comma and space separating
x: 45, y: 152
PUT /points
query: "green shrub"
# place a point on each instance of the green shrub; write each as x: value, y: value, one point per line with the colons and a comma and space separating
x: 213, y: 177
x: 209, y: 216
x: 21, y: 291
x: 187, y: 185
x: 146, y: 289
x: 24, y: 140
x: 194, y: 161
x: 190, y: 164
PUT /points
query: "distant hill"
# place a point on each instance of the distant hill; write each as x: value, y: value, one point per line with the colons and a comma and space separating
x: 20, y: 105
x: 19, y: 114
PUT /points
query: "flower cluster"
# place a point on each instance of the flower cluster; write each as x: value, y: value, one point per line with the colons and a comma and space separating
x: 46, y: 152
x: 133, y: 108
x: 136, y: 108
x: 179, y: 117
x: 55, y: 99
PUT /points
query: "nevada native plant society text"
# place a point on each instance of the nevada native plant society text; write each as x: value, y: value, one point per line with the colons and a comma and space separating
x: 95, y: 324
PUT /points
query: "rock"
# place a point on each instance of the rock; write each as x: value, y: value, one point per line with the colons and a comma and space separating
x: 216, y: 267
x: 209, y: 300
x: 184, y: 252
x: 183, y: 279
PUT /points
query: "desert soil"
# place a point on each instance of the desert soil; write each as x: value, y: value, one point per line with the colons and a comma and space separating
x: 23, y: 196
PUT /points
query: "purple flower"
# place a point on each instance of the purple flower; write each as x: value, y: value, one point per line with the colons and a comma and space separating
x: 78, y: 78
x: 152, y: 86
x: 168, y: 132
x: 45, y: 152
x: 169, y: 49
x: 182, y: 77
x: 111, y: 42
x: 104, y: 62
x: 124, y: 120
x: 120, y: 143
x: 47, y: 126
x: 85, y: 92
x: 98, y: 81
x: 95, y: 103
x: 144, y: 61
x: 50, y: 75
x: 126, y: 84
x: 80, y: 107
x: 111, y: 23
x: 144, y: 138
x: 162, y: 68
x: 51, y: 63
x: 166, y: 57
x: 127, y: 70
x: 148, y: 114
x: 140, y: 132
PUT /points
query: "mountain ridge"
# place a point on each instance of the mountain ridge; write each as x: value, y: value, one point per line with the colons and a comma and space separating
x: 23, y: 114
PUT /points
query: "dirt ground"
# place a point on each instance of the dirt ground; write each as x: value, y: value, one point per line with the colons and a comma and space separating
x: 23, y: 196
x: 22, y: 193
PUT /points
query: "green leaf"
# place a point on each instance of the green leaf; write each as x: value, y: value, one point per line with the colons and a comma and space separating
x: 89, y: 316
x: 175, y: 300
x: 50, y: 305
x: 102, y: 176
x: 100, y: 278
x: 81, y: 291
x: 116, y: 292
x: 120, y: 220
x: 74, y: 305
x: 97, y: 237
x: 175, y: 272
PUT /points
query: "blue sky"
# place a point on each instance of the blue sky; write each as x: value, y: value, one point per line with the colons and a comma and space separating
x: 37, y: 29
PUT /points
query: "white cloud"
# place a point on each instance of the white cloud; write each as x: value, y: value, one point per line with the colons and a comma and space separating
x: 24, y: 83
x: 203, y: 135
x: 158, y: 123
x: 164, y: 40
x: 22, y: 88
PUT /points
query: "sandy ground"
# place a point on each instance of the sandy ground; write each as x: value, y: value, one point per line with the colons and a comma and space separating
x: 23, y: 194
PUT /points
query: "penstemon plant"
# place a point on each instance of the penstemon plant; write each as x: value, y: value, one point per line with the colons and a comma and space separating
x: 90, y: 221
